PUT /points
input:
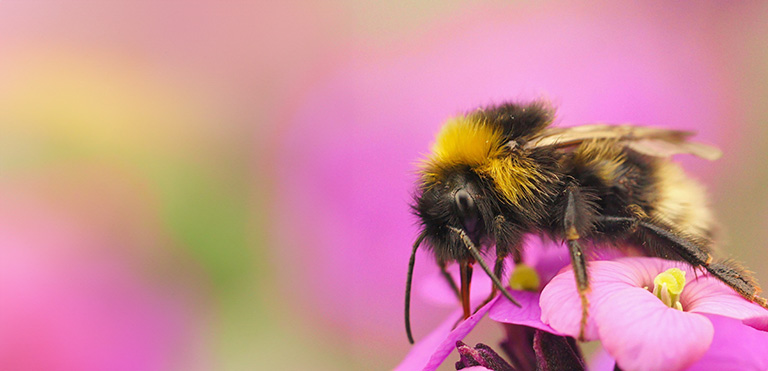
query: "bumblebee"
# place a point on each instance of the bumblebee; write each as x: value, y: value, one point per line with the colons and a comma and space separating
x: 501, y: 172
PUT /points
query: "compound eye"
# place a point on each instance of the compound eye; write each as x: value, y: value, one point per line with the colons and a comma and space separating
x: 467, y: 208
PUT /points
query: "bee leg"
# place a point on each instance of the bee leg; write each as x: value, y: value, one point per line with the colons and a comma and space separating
x: 465, y: 274
x: 577, y: 258
x: 498, y: 270
x: 450, y: 280
x: 658, y: 239
x: 465, y: 271
x: 582, y: 282
x: 476, y: 257
x: 517, y: 256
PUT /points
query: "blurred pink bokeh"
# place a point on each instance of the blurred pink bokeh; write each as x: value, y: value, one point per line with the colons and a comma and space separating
x: 73, y: 302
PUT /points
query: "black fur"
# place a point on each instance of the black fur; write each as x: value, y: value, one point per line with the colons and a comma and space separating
x: 518, y: 121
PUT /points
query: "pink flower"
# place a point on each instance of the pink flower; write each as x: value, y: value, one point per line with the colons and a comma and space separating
x: 639, y: 330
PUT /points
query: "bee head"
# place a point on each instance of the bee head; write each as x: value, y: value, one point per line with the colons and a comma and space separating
x: 460, y: 201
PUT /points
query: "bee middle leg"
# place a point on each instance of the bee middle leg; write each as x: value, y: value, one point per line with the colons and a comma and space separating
x: 578, y: 261
x: 508, y: 242
x: 498, y: 271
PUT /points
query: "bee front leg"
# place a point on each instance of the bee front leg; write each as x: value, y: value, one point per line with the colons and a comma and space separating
x: 465, y: 271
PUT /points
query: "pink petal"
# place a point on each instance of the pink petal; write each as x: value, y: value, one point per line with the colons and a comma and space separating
x: 723, y: 355
x: 641, y: 333
x: 528, y: 314
x: 633, y: 271
x: 759, y: 323
x: 560, y: 301
x: 735, y: 346
x: 707, y: 294
x: 429, y: 352
x: 635, y: 327
x: 561, y: 307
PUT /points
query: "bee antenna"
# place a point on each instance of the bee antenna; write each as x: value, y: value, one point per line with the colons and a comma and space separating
x: 408, y: 286
x: 475, y: 254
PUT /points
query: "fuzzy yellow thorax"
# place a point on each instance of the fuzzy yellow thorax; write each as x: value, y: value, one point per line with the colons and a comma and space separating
x: 467, y: 141
x: 470, y: 141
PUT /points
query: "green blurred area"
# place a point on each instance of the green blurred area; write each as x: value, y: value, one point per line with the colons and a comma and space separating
x: 68, y: 115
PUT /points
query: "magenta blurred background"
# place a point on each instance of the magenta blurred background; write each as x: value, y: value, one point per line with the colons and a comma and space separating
x: 225, y: 185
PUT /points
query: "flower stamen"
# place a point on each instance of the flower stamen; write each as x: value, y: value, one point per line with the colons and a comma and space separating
x: 525, y: 278
x: 668, y: 285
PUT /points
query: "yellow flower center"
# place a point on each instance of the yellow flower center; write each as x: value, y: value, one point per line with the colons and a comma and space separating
x: 524, y: 277
x: 668, y: 285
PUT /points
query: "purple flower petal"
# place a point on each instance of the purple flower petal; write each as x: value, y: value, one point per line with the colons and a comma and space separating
x: 633, y: 271
x: 429, y: 352
x: 528, y: 314
x: 759, y: 323
x: 641, y: 333
x: 725, y: 354
x: 707, y: 294
x: 735, y: 346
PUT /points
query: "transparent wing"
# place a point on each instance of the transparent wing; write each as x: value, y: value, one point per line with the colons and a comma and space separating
x: 646, y: 140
